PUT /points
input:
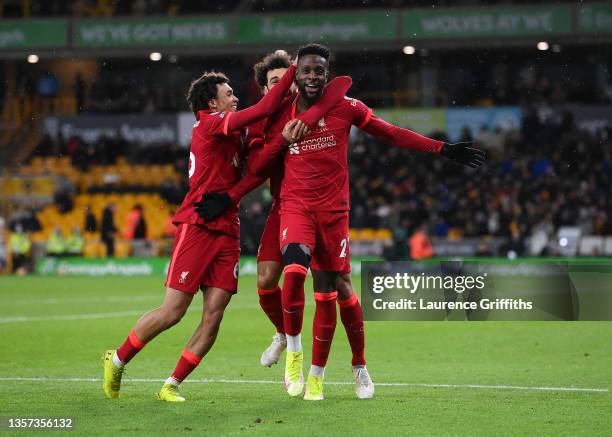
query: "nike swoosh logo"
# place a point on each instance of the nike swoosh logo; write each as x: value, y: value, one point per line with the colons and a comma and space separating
x: 290, y: 312
x: 320, y: 339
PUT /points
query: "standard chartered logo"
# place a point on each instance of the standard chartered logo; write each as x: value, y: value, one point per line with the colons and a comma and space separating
x: 313, y: 144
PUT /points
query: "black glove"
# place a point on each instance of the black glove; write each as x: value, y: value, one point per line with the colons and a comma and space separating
x: 463, y: 154
x: 213, y: 205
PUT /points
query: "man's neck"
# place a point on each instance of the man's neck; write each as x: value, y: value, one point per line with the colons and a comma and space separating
x: 303, y: 105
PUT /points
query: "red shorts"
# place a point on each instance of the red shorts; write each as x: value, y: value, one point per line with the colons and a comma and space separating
x: 324, y: 232
x: 269, y: 248
x: 202, y: 258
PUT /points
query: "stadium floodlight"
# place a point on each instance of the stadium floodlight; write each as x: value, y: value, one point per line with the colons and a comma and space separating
x: 556, y: 48
x: 32, y: 59
x: 173, y: 59
x: 542, y: 45
x: 155, y: 56
x: 409, y: 50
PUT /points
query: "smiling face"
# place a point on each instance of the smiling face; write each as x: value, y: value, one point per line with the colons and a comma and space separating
x: 311, y: 77
x: 225, y: 101
x: 272, y: 78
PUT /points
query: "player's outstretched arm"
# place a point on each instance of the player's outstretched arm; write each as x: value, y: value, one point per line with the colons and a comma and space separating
x: 461, y: 153
x: 401, y: 137
x: 266, y: 107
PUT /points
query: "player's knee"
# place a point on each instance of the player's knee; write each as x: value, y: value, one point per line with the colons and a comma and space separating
x: 344, y: 287
x: 268, y: 274
x: 265, y: 281
x: 296, y: 253
x: 268, y: 277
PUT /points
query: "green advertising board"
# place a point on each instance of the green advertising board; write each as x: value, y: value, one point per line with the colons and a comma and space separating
x: 300, y: 28
x: 481, y: 22
x: 16, y: 34
x: 425, y: 121
x: 594, y: 18
x: 158, y: 266
x: 151, y: 32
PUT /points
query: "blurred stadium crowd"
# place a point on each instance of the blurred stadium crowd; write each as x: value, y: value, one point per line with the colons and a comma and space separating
x: 480, y: 78
x: 533, y: 183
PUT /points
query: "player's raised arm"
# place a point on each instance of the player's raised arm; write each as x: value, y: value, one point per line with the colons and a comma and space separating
x: 266, y: 107
x: 461, y: 153
x: 334, y: 91
x: 275, y: 144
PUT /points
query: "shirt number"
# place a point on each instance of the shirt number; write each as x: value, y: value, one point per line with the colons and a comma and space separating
x: 192, y: 164
x: 343, y: 246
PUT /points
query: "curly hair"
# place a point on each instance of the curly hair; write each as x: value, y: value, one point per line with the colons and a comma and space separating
x: 272, y: 61
x: 203, y: 89
x: 314, y: 49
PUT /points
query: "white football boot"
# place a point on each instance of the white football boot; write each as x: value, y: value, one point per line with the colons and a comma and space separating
x: 364, y: 387
x: 272, y: 354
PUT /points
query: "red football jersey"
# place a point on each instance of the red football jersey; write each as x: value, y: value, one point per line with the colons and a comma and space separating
x: 215, y: 165
x: 316, y: 168
x: 272, y: 166
x: 256, y: 134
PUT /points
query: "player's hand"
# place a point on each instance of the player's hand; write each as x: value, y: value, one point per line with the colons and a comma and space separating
x: 288, y: 130
x: 462, y: 153
x: 295, y: 130
x: 213, y: 205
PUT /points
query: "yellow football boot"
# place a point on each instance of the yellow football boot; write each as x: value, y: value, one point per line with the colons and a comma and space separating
x: 294, y: 378
x: 170, y: 393
x: 111, y: 381
x: 314, y: 388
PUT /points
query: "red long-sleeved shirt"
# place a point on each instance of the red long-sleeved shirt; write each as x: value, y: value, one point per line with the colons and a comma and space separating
x: 216, y: 155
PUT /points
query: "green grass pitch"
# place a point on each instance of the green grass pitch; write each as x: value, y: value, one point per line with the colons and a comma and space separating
x: 54, y: 331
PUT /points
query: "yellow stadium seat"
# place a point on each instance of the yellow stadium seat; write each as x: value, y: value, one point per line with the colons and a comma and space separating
x: 454, y: 234
x: 383, y: 234
x: 43, y: 186
x: 37, y: 162
x: 122, y: 249
x: 368, y: 234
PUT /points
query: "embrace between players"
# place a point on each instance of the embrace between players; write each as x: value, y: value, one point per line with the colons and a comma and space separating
x: 299, y: 140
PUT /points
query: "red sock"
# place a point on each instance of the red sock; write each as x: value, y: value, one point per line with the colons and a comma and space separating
x: 270, y: 302
x: 185, y: 365
x: 352, y: 319
x: 130, y: 347
x: 323, y: 326
x: 292, y: 297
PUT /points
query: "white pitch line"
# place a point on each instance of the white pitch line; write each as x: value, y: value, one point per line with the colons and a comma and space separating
x: 380, y: 384
x: 88, y: 316
x: 59, y: 301
x: 21, y: 319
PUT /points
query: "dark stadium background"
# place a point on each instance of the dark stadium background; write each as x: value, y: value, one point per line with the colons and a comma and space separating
x: 93, y: 113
